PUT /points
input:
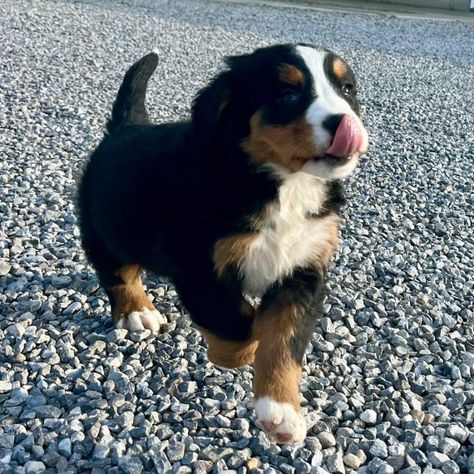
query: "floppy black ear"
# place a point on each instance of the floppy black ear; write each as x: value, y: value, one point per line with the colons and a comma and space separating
x: 209, y: 107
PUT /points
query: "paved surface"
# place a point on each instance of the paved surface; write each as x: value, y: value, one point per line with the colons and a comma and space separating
x: 389, y: 375
x: 370, y: 7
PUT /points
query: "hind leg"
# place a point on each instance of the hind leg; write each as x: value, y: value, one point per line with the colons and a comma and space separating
x: 131, y: 309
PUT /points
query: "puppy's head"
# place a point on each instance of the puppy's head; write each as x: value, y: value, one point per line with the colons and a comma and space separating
x: 293, y: 107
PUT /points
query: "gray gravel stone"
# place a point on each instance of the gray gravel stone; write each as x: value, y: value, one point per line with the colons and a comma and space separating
x: 369, y: 417
x: 202, y: 467
x: 352, y: 461
x: 457, y: 432
x: 15, y: 330
x: 37, y: 452
x: 130, y: 465
x: 450, y: 467
x: 379, y: 449
x: 335, y: 462
x: 175, y: 451
x: 437, y: 459
x: 47, y: 411
x: 449, y: 446
x: 65, y: 447
x: 326, y: 439
x: 385, y: 468
x: 160, y: 461
x: 5, y: 386
x: 4, y: 268
x: 51, y: 458
x: 7, y: 441
x: 239, y: 458
x: 101, y: 451
x: 396, y: 462
x: 438, y: 411
x: 410, y: 470
x: 33, y: 467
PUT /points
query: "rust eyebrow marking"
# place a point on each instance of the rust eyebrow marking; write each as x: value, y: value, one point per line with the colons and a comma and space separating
x: 339, y: 68
x: 291, y: 74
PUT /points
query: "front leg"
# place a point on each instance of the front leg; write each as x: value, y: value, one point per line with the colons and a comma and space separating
x: 284, y: 324
x: 222, y: 315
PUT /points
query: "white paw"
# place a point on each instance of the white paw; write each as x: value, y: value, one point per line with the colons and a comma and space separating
x: 140, y: 320
x: 280, y: 420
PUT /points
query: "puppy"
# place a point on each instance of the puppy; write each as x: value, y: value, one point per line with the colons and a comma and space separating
x: 242, y: 199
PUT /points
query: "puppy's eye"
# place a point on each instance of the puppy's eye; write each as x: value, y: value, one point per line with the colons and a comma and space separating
x: 289, y: 98
x: 348, y: 88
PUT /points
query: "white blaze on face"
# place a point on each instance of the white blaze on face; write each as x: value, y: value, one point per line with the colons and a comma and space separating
x: 328, y: 102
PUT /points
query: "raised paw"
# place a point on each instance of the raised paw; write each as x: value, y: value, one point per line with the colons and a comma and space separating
x: 280, y: 420
x: 140, y: 320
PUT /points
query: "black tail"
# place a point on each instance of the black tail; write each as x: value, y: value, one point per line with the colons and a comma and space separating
x: 129, y: 106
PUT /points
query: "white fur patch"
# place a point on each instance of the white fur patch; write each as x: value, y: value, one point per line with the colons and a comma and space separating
x: 288, y: 239
x: 326, y: 170
x: 140, y: 320
x: 284, y: 422
x: 328, y: 102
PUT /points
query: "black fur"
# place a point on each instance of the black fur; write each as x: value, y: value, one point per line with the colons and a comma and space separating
x: 129, y: 106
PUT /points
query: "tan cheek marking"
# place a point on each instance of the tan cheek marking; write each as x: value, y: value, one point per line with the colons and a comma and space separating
x: 277, y: 375
x: 289, y: 146
x: 129, y: 296
x: 291, y: 74
x: 339, y: 68
x: 231, y: 251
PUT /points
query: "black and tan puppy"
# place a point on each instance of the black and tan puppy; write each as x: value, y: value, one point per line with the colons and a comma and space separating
x: 242, y: 199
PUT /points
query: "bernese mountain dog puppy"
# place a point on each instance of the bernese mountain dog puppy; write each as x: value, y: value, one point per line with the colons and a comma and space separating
x: 242, y: 199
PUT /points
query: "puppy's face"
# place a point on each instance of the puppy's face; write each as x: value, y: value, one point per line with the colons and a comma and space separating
x: 300, y: 109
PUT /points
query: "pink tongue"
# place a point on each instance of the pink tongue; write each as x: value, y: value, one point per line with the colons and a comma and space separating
x: 348, y: 138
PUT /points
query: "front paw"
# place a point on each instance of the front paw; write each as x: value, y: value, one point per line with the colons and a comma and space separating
x: 141, y: 320
x: 280, y: 420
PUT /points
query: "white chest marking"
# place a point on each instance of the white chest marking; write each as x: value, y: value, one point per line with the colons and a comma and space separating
x: 288, y: 239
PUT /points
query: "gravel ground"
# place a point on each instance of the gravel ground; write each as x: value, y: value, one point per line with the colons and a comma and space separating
x: 388, y: 379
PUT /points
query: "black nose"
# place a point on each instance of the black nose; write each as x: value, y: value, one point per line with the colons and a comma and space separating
x: 332, y: 122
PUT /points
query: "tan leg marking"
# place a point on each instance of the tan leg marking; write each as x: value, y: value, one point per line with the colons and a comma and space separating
x: 231, y: 354
x: 132, y: 309
x: 277, y: 376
